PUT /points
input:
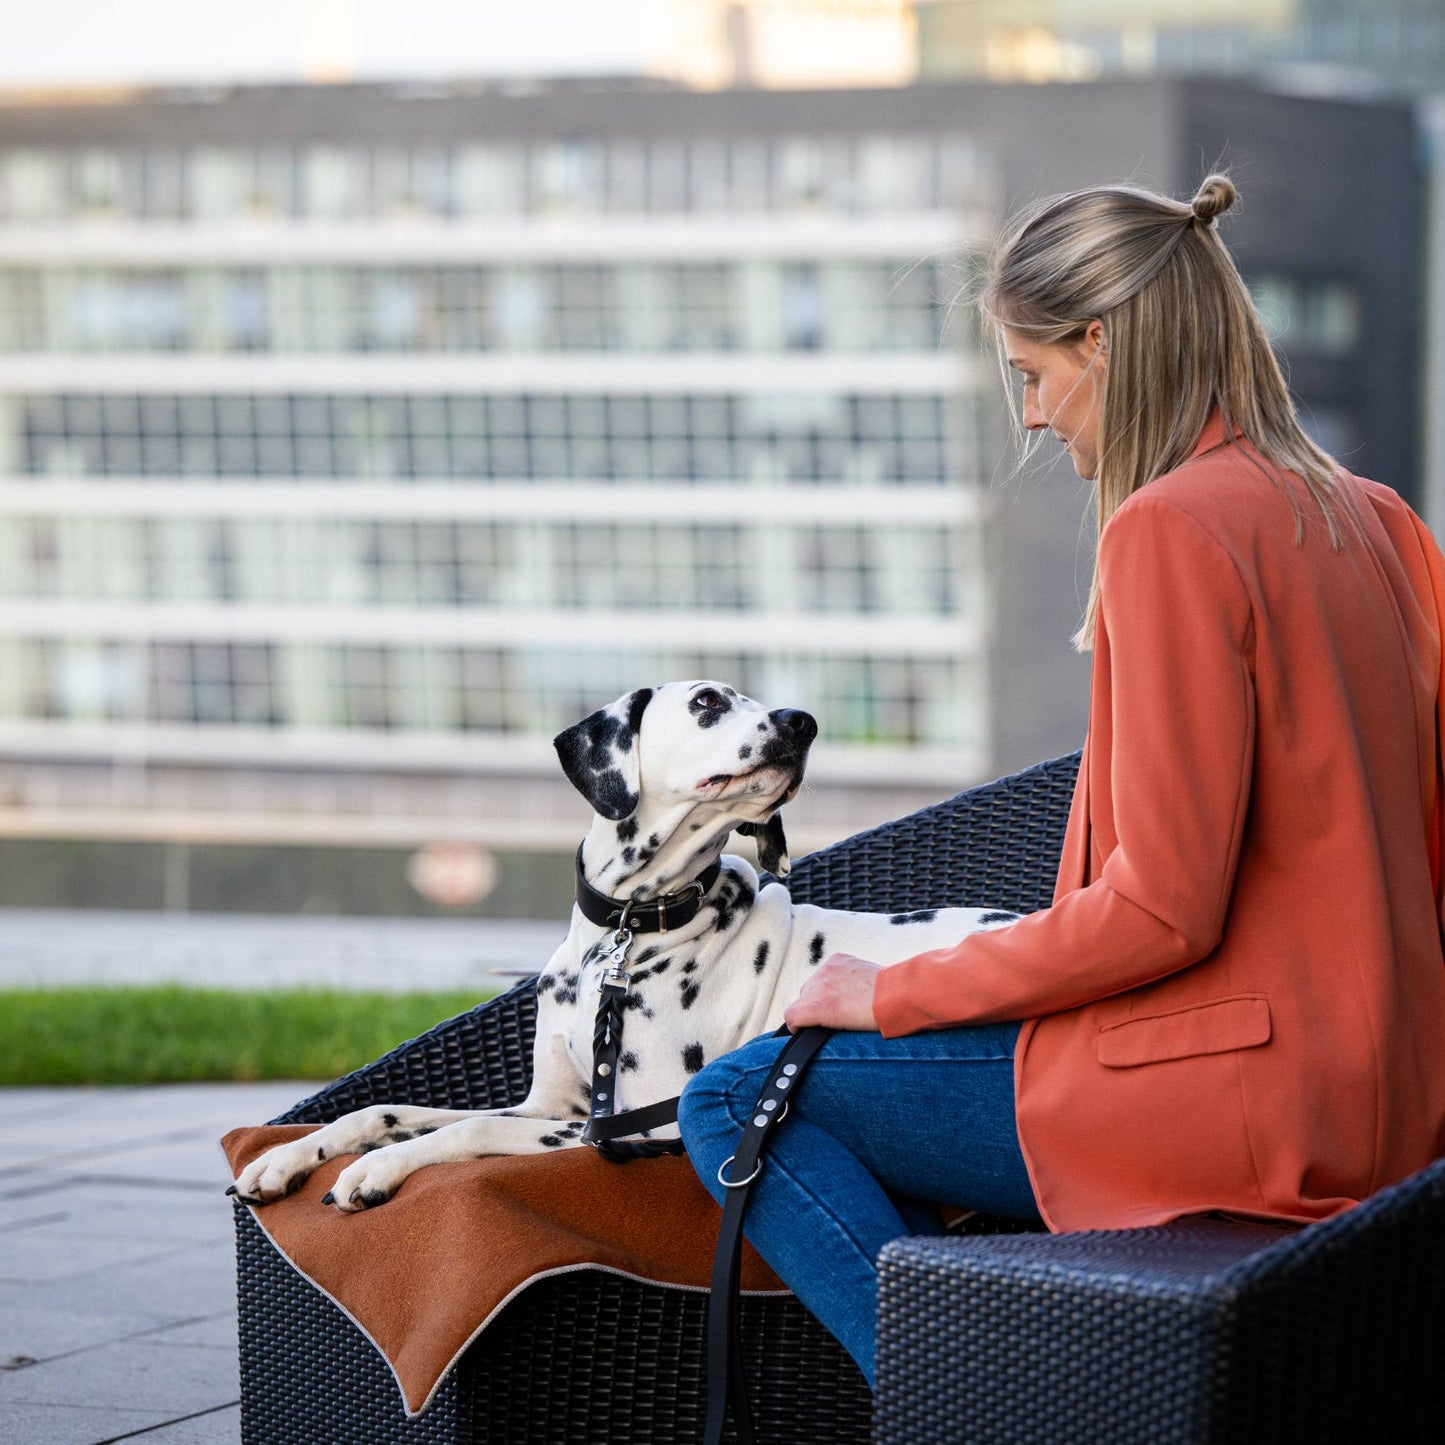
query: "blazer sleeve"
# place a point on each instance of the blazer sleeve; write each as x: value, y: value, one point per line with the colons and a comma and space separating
x: 1174, y: 671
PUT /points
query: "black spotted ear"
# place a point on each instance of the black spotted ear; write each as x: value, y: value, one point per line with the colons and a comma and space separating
x: 772, y: 844
x: 600, y: 755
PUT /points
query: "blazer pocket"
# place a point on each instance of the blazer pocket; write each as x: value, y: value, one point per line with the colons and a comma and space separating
x: 1220, y: 1027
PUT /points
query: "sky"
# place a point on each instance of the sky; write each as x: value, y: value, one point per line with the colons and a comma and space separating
x: 125, y: 42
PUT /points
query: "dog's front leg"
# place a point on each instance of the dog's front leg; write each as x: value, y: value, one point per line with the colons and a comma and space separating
x: 376, y: 1176
x: 551, y: 1117
x: 284, y: 1169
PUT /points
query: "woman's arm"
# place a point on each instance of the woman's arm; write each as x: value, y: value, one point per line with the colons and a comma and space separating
x: 1175, y: 643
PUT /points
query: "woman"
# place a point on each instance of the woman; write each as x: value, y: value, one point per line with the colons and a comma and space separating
x: 1237, y: 1000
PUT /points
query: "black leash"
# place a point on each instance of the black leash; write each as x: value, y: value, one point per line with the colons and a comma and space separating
x: 605, y: 1127
x: 726, y: 1384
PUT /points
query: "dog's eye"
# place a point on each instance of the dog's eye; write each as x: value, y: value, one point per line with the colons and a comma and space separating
x: 709, y: 699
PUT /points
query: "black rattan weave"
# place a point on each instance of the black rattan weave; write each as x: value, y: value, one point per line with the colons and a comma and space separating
x: 992, y: 847
x: 590, y: 1356
x: 1200, y: 1332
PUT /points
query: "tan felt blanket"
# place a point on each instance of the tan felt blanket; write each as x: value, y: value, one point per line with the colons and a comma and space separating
x: 422, y: 1275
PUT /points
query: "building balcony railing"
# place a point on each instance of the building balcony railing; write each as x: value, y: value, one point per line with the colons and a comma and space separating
x: 529, y: 239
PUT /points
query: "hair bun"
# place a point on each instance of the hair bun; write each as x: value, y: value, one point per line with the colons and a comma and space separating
x: 1214, y: 197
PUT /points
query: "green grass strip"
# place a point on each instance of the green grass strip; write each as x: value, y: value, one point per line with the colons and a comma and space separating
x: 173, y: 1034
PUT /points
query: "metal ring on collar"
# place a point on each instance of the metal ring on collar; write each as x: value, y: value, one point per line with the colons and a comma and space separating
x: 737, y: 1183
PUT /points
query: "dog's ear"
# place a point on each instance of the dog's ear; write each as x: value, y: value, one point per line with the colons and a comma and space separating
x: 601, y: 755
x: 772, y: 844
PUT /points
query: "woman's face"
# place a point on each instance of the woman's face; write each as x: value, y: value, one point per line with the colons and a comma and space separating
x: 1062, y: 381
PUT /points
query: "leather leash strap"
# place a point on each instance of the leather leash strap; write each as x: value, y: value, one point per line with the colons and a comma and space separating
x: 604, y: 1128
x: 726, y: 1384
x: 629, y: 916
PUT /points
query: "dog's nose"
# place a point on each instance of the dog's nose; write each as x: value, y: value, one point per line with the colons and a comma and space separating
x: 802, y: 725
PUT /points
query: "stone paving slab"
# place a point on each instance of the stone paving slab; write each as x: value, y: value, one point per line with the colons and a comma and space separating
x: 33, y: 1330
x: 182, y: 1285
x: 41, y: 1254
x: 117, y: 1262
x: 214, y: 1332
x: 216, y: 1427
x: 78, y: 1425
x: 129, y: 1375
x: 107, y: 1210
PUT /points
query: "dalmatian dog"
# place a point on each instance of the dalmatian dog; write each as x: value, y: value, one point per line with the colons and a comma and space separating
x: 669, y: 772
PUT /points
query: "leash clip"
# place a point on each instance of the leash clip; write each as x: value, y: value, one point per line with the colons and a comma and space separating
x: 615, y: 975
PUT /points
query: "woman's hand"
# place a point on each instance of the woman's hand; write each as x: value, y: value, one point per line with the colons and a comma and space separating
x: 838, y: 995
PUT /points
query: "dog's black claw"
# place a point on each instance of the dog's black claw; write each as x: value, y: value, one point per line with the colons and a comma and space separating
x: 328, y: 1198
x: 231, y: 1190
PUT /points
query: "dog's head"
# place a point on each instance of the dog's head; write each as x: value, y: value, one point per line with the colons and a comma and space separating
x: 689, y: 758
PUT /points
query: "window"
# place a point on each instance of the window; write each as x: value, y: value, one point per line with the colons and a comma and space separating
x: 332, y: 182
x: 33, y: 185
x: 802, y: 308
x: 557, y: 174
x: 1318, y: 315
x: 799, y: 436
x: 687, y: 306
x: 490, y: 180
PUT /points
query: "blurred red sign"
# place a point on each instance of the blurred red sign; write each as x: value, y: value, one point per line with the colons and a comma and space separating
x: 451, y: 874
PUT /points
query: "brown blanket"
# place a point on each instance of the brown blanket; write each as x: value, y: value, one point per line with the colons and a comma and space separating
x: 422, y: 1275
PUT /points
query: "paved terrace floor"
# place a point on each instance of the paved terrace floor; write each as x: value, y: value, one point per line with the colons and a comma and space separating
x: 117, y: 1272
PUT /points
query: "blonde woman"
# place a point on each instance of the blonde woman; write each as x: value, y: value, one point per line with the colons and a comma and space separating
x: 1237, y: 1000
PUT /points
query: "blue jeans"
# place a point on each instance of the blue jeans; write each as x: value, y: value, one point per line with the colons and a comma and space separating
x: 877, y: 1128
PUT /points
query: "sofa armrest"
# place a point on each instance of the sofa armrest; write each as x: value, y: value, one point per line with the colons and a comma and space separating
x: 1201, y: 1330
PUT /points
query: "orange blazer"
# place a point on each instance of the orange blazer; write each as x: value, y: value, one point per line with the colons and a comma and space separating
x: 1237, y: 999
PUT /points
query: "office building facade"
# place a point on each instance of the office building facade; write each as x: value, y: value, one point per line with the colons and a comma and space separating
x: 354, y: 440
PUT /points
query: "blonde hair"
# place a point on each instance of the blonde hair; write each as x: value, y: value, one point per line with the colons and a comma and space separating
x: 1181, y: 332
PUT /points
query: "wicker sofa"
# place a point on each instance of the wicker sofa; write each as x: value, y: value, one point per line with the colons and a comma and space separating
x: 1203, y: 1331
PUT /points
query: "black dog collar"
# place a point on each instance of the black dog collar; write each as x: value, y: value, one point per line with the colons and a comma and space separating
x: 650, y: 915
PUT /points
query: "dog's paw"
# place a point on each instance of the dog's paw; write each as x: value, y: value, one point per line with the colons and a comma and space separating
x: 275, y: 1174
x: 372, y: 1180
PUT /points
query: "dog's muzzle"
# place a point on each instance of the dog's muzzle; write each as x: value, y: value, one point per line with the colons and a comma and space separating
x: 793, y: 734
x: 794, y: 725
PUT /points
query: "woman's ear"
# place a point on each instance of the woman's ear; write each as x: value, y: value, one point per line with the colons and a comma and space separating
x: 1096, y: 340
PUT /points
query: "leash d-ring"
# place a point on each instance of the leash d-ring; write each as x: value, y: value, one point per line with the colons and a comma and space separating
x: 737, y: 1183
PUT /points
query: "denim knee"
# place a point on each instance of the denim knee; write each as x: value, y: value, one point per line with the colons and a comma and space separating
x: 721, y: 1096
x: 706, y: 1103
